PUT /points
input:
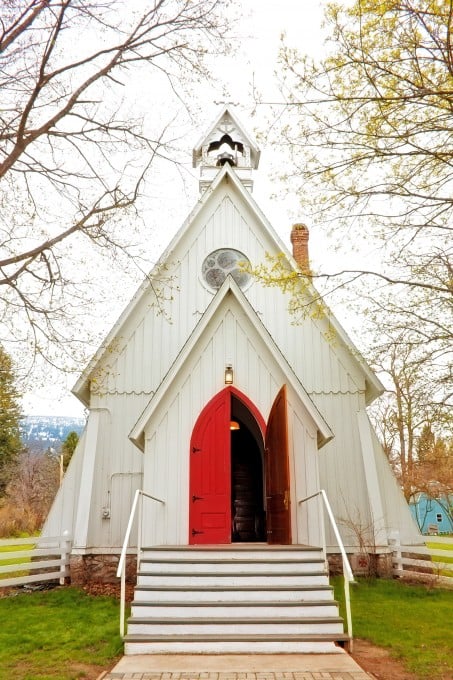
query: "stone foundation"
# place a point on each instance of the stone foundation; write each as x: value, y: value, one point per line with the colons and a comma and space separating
x: 384, y: 565
x: 89, y: 569
x: 363, y: 564
x: 335, y: 565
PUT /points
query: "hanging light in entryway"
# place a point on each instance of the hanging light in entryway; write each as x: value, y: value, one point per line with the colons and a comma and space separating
x: 234, y: 425
x: 228, y: 374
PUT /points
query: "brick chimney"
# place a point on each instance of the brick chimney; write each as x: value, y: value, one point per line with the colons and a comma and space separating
x: 299, y: 239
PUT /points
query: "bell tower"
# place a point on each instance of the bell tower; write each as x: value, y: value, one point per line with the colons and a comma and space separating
x: 226, y: 142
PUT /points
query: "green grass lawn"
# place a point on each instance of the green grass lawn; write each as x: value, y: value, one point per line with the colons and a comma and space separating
x: 57, y: 634
x: 413, y: 622
x: 64, y: 634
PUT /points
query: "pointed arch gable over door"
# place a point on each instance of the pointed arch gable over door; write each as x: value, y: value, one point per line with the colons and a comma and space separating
x: 210, y: 470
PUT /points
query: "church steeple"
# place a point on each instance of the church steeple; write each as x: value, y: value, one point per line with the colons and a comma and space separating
x: 226, y: 142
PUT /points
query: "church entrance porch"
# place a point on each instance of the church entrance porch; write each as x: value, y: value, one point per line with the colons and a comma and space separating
x: 233, y: 599
x: 239, y: 472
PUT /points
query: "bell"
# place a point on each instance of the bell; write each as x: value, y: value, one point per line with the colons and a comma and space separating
x: 225, y: 157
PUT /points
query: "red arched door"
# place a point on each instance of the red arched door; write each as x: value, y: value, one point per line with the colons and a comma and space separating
x: 210, y: 471
x: 278, y: 522
x: 210, y: 483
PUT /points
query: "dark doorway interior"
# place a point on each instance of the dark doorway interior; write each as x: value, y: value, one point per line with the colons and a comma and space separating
x: 247, y: 479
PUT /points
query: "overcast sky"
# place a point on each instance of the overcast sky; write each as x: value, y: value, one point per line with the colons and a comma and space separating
x: 254, y: 61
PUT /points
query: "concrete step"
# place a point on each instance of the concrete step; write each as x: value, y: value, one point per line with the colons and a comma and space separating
x: 220, y: 600
x: 230, y: 566
x: 255, y: 552
x: 233, y: 594
x: 265, y: 608
x: 232, y: 644
x: 245, y: 578
x: 288, y: 626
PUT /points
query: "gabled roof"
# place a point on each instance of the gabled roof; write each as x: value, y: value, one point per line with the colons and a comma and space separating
x: 226, y: 174
x: 226, y: 112
x: 230, y: 288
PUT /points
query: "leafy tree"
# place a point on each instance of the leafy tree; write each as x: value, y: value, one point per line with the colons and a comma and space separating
x: 68, y: 447
x: 411, y: 421
x: 10, y: 414
x: 74, y: 153
x: 406, y: 411
x: 426, y: 444
x: 369, y: 130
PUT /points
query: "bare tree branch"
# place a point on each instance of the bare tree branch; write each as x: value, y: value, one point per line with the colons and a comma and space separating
x: 73, y: 160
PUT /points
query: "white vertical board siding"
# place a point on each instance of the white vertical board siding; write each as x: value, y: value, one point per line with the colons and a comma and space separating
x: 334, y: 383
x: 168, y: 433
x: 119, y: 469
x: 87, y: 479
x: 396, y: 508
x: 378, y: 529
x: 154, y: 513
x: 304, y: 474
x: 121, y: 490
x: 342, y: 472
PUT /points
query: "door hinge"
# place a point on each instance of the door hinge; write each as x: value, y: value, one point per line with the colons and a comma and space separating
x: 195, y: 532
x: 197, y: 498
x: 195, y: 450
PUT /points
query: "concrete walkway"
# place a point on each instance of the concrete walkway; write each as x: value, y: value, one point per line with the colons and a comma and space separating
x: 338, y: 666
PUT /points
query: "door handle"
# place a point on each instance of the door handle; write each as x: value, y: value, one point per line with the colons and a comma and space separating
x: 197, y: 498
x: 285, y: 498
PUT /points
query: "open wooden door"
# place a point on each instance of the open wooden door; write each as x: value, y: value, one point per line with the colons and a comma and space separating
x: 277, y: 473
x: 210, y: 478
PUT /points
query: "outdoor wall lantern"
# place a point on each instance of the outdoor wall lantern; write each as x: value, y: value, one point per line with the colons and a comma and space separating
x: 228, y: 374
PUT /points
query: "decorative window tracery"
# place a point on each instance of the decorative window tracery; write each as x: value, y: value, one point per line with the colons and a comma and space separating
x: 222, y: 262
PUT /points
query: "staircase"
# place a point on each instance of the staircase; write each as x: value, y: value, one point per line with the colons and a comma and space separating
x: 243, y: 598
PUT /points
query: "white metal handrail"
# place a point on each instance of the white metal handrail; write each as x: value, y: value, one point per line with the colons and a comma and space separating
x: 347, y: 571
x: 121, y: 571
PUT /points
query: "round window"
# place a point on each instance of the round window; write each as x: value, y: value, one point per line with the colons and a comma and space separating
x: 220, y: 263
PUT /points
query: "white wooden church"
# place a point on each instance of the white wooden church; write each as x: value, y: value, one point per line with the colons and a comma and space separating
x: 228, y: 416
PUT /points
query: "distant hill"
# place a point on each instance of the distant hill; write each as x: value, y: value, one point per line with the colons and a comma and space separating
x: 40, y: 433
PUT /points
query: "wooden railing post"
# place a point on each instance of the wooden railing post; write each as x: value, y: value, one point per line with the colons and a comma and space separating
x: 397, y: 555
x: 65, y: 546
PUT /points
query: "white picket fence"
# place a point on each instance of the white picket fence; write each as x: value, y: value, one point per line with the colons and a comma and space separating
x: 41, y: 559
x: 422, y: 563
